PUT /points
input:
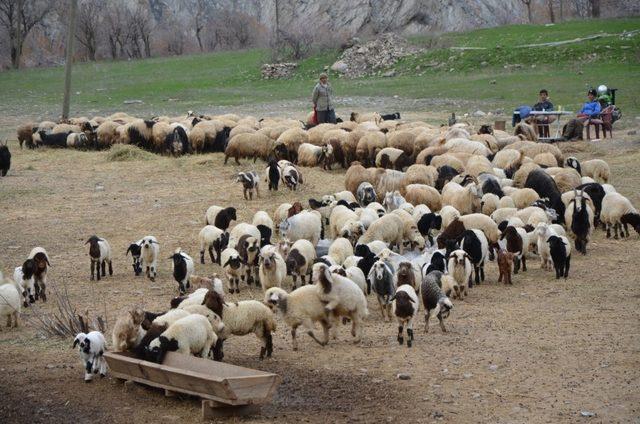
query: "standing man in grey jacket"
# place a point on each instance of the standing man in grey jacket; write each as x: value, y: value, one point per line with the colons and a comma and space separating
x: 322, y: 100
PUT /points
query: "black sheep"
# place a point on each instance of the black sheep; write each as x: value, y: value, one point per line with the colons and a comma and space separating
x: 223, y: 219
x: 5, y: 159
x: 545, y: 186
x: 54, y: 140
x: 273, y: 174
x: 438, y: 263
x: 390, y: 116
x: 561, y: 255
x: 368, y: 258
x: 490, y: 184
x: 445, y: 174
x: 427, y: 222
x: 265, y: 235
x: 580, y: 225
x: 597, y: 193
x: 221, y: 140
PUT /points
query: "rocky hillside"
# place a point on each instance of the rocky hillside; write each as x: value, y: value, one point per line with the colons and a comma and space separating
x: 365, y: 17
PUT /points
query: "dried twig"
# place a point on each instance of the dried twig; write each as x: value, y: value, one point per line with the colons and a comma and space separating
x: 64, y: 321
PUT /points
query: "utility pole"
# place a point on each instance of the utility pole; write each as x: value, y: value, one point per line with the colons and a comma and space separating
x: 19, y: 33
x: 71, y: 35
x: 277, y: 25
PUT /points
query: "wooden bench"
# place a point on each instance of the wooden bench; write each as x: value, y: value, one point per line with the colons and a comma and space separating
x: 225, y: 389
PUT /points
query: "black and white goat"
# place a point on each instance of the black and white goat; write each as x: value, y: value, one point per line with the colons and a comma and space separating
x: 100, y: 253
x: 291, y: 177
x: 250, y: 182
x: 136, y: 250
x: 182, y: 269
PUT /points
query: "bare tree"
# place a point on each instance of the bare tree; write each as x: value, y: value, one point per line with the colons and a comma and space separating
x: 19, y: 17
x: 89, y: 19
x: 116, y: 30
x: 528, y: 4
x: 142, y: 26
x: 595, y: 8
x: 552, y: 15
x: 200, y: 11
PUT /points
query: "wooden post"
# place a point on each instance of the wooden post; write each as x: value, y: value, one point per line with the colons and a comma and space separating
x: 71, y: 35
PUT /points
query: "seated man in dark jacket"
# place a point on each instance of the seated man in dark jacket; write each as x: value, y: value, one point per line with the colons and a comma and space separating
x: 543, y: 121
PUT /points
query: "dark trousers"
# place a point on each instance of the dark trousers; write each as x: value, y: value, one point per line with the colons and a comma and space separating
x: 326, y: 116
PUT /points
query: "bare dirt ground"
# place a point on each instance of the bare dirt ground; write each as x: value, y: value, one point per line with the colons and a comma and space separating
x: 539, y: 351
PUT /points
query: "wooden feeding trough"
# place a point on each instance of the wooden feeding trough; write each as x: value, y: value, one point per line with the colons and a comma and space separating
x: 225, y: 389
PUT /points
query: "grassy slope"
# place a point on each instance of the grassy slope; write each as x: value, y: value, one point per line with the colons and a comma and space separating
x: 174, y: 84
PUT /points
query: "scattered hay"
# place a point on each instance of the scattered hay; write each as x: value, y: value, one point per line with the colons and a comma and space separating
x: 127, y: 153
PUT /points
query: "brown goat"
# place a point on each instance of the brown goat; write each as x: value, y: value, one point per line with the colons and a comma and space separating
x: 514, y: 245
x: 505, y: 262
x: 405, y: 275
x: 453, y: 232
x: 295, y: 209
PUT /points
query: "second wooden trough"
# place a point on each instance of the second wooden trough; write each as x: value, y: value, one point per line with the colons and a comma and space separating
x: 225, y: 389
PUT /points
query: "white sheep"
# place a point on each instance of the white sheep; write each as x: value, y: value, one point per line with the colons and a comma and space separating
x: 272, y: 269
x: 301, y: 307
x: 150, y: 249
x: 192, y: 334
x: 343, y: 222
x: 460, y: 268
x: 340, y: 250
x: 10, y: 294
x: 465, y: 199
x: 543, y: 231
x: 241, y: 318
x: 389, y: 229
x: 405, y: 308
x: 342, y: 297
x: 448, y: 214
x: 305, y: 225
x: 92, y: 347
x: 617, y: 211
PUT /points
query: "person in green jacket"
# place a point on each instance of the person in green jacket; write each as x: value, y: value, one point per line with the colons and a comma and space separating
x: 322, y: 100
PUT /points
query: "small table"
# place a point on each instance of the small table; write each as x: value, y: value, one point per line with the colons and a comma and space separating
x: 558, y: 115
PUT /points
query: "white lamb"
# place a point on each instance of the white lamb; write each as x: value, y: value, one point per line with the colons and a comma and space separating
x: 10, y: 301
x: 92, y: 347
x: 272, y: 269
x: 149, y: 256
x: 343, y: 297
x: 460, y: 268
x: 301, y: 307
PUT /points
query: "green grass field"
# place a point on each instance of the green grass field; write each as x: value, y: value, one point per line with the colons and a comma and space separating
x: 199, y: 82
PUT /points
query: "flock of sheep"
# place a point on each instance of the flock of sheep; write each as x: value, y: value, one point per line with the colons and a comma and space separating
x: 424, y: 208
